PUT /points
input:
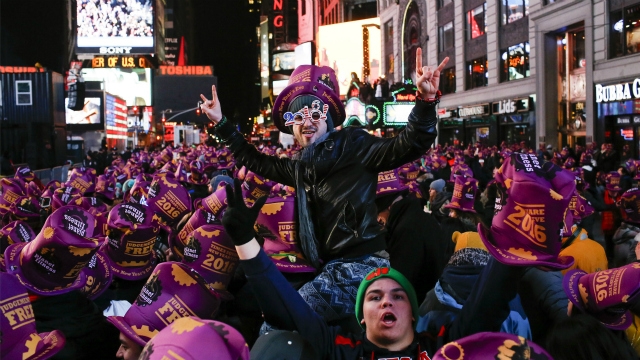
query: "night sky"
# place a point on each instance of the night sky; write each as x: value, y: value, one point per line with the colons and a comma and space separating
x: 32, y: 31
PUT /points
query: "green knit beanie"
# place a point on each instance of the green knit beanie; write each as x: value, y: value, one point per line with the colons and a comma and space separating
x: 385, y: 272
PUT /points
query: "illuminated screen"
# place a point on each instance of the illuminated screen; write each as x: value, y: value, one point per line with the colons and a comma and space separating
x: 345, y: 56
x: 284, y: 61
x: 278, y: 86
x: 133, y: 85
x: 90, y: 113
x: 115, y: 27
x: 397, y: 114
x: 304, y: 54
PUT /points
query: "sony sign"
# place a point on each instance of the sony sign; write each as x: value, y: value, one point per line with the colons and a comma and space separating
x: 618, y: 92
x: 115, y: 50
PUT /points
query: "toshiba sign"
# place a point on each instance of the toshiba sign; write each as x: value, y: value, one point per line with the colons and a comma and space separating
x: 185, y: 70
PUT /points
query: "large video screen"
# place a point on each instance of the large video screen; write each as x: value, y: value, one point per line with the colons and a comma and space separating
x: 115, y: 27
x: 89, y: 115
x: 345, y: 55
x: 284, y: 61
x: 133, y: 85
x: 397, y: 114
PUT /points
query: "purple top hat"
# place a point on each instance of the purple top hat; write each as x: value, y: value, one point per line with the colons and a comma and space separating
x: 210, y: 252
x: 10, y: 191
x: 216, y: 203
x: 99, y: 274
x: 408, y: 173
x: 20, y: 338
x: 51, y: 186
x: 607, y: 294
x: 25, y: 174
x: 255, y: 187
x: 131, y: 234
x: 89, y: 203
x: 106, y: 186
x: 458, y: 159
x: 14, y: 232
x: 183, y: 340
x: 490, y: 345
x: 629, y: 205
x: 585, y: 158
x: 138, y: 192
x: 319, y: 81
x: 199, y: 218
x: 612, y: 181
x: 569, y: 163
x: 416, y: 190
x: 52, y: 263
x: 579, y: 207
x: 464, y: 194
x: 85, y: 183
x: 197, y: 175
x: 276, y: 223
x: 26, y: 209
x: 282, y: 190
x: 389, y: 183
x: 63, y: 196
x: 531, y: 203
x: 33, y: 190
x: 460, y: 170
x: 630, y: 165
x: 170, y: 167
x: 181, y: 173
x: 168, y: 200
x: 173, y: 291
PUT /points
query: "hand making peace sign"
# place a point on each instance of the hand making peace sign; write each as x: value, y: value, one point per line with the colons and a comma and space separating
x: 428, y: 79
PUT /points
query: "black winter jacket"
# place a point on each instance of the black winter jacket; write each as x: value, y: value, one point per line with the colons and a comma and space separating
x: 341, y: 179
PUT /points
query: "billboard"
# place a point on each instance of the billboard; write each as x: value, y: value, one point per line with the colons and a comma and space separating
x: 397, y: 113
x: 278, y: 86
x: 115, y: 117
x: 89, y: 115
x: 340, y: 46
x: 132, y: 85
x: 115, y: 27
x: 284, y: 61
x: 305, y: 54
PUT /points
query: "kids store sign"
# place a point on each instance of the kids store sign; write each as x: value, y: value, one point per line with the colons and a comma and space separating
x: 618, y: 92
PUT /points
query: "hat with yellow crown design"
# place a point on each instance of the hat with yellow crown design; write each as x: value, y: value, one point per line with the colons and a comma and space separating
x: 532, y: 201
x: 53, y: 262
x: 20, y: 338
x: 173, y: 291
x: 183, y: 340
x: 492, y: 345
x: 607, y: 294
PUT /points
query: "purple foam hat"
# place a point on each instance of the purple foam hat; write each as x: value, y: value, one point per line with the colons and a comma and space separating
x: 139, y: 191
x: 531, y: 203
x: 197, y: 176
x: 27, y: 209
x: 63, y: 196
x: 216, y: 203
x: 629, y: 205
x: 612, y: 181
x: 282, y: 190
x: 607, y: 294
x: 416, y: 190
x: 169, y: 167
x: 210, y: 251
x: 460, y: 170
x: 106, y: 186
x: 85, y: 183
x: 181, y: 173
x: 93, y: 205
x: 276, y: 223
x: 631, y: 167
x: 199, y: 218
x: 408, y: 173
x: 183, y: 340
x: 389, y: 183
x: 99, y: 274
x: 131, y: 234
x: 14, y: 232
x: 10, y: 191
x: 585, y: 158
x: 52, y: 263
x: 580, y: 208
x: 490, y: 345
x: 33, y: 190
x: 570, y: 163
x: 318, y: 81
x: 25, y: 174
x: 51, y: 186
x: 168, y: 200
x: 20, y: 338
x: 255, y: 187
x: 173, y: 291
x: 464, y: 194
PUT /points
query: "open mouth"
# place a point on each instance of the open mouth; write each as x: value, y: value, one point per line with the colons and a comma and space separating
x: 388, y: 318
x: 308, y: 133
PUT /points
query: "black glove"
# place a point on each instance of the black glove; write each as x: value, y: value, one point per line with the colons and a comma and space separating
x: 238, y: 219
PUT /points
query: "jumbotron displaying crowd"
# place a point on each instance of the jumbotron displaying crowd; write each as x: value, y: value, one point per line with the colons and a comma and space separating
x: 122, y: 18
x: 346, y: 246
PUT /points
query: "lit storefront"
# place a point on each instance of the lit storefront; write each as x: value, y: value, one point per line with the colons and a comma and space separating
x: 618, y: 107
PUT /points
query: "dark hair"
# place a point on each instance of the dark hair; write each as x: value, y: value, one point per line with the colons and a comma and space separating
x: 582, y: 337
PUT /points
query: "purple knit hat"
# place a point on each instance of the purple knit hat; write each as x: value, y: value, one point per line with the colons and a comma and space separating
x: 612, y: 181
x: 99, y: 274
x: 408, y: 173
x: 64, y: 196
x: 460, y: 170
x: 532, y: 201
x: 168, y: 200
x: 52, y: 263
x: 255, y: 187
x: 492, y: 345
x: 210, y: 252
x: 464, y: 194
x: 629, y: 205
x: 183, y: 340
x: 607, y: 294
x: 276, y: 224
x: 199, y: 218
x: 106, y: 186
x: 173, y: 290
x: 20, y: 338
x: 131, y: 234
x: 318, y: 81
x: 25, y: 174
x: 389, y: 183
x: 10, y: 191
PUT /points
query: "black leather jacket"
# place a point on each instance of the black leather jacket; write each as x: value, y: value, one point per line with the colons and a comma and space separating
x: 341, y: 179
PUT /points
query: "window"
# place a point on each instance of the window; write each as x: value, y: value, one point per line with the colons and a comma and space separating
x: 388, y: 31
x: 23, y: 92
x: 445, y: 36
x: 443, y: 3
x: 477, y: 74
x: 513, y: 10
x: 448, y: 81
x: 624, y: 31
x: 578, y: 56
x: 515, y: 62
x: 476, y: 24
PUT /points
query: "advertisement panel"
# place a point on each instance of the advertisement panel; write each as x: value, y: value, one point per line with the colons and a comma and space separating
x: 89, y: 115
x: 264, y: 57
x: 340, y: 46
x: 397, y: 113
x: 115, y: 27
x: 132, y: 85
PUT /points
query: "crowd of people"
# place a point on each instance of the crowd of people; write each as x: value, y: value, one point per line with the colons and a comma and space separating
x: 344, y: 246
x: 121, y: 18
